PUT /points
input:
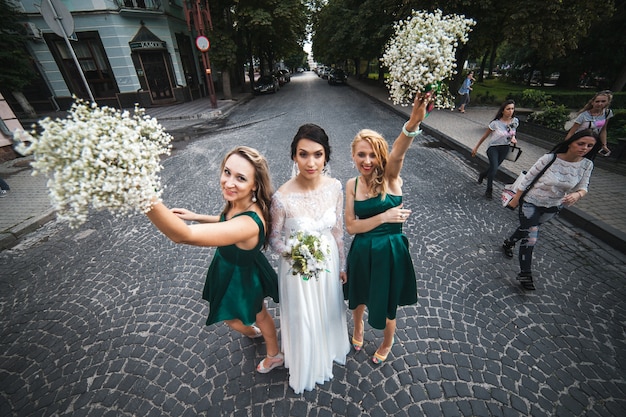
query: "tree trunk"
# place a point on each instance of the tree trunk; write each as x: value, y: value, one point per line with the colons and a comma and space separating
x: 228, y: 95
x: 620, y: 80
x: 24, y: 104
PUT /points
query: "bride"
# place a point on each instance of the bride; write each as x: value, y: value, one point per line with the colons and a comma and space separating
x: 312, y: 311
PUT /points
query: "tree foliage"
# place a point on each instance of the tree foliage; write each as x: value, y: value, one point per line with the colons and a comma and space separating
x: 16, y: 70
x: 270, y: 30
x: 550, y: 33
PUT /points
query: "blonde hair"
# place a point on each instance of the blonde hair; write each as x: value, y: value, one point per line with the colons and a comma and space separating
x: 262, y: 180
x: 589, y: 105
x: 379, y: 145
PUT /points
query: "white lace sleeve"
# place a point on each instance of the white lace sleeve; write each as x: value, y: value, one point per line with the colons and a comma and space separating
x: 337, y: 231
x: 278, y: 212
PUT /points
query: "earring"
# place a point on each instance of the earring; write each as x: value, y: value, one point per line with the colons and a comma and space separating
x: 294, y: 170
x: 326, y: 170
x: 254, y: 196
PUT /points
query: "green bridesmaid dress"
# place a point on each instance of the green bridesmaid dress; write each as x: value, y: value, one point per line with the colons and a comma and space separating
x: 238, y: 280
x: 380, y: 270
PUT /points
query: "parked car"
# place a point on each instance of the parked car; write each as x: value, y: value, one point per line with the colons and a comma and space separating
x: 323, y: 72
x: 280, y: 77
x: 266, y: 84
x: 337, y: 76
x: 285, y: 74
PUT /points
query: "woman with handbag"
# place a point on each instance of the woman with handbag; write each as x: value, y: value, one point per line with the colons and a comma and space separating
x: 502, y: 131
x: 559, y: 178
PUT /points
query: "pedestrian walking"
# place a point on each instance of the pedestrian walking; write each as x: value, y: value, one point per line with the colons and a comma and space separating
x: 595, y: 115
x: 313, y: 325
x: 501, y: 131
x: 465, y: 89
x: 239, y: 277
x: 562, y: 179
x: 381, y: 276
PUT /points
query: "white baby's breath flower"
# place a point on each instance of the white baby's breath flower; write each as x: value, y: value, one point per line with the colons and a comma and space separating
x: 307, y: 254
x: 100, y: 158
x: 421, y: 55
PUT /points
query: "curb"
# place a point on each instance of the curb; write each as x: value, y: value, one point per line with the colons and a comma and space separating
x: 11, y: 237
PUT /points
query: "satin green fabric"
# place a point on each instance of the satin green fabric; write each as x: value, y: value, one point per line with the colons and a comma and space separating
x: 380, y: 270
x: 238, y: 280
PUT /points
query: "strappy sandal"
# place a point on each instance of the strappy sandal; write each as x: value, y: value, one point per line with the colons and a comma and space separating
x: 358, y: 344
x: 275, y: 361
x: 378, y: 358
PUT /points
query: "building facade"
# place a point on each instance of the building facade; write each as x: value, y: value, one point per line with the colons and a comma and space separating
x: 129, y: 51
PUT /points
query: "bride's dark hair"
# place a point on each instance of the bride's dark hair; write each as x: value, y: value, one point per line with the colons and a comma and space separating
x: 312, y: 132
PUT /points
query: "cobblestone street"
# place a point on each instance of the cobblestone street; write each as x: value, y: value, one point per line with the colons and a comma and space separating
x: 108, y: 320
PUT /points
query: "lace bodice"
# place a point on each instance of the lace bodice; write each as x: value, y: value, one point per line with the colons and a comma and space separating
x: 319, y: 210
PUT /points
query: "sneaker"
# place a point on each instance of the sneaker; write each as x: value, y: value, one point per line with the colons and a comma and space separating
x: 3, y: 193
x: 526, y: 281
x: 507, y: 248
x: 488, y: 194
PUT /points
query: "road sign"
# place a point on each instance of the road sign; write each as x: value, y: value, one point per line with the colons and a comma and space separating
x: 57, y: 17
x: 202, y: 43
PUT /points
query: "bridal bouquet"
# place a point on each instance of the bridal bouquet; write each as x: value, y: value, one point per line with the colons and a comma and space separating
x: 98, y: 157
x: 307, y: 254
x: 421, y: 55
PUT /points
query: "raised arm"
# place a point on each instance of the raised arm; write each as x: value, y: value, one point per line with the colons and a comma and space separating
x: 404, y: 140
x: 241, y: 230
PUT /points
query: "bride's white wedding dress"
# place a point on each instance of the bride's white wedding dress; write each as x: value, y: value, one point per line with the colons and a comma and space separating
x: 313, y: 326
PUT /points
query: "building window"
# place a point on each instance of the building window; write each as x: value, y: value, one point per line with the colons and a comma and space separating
x: 93, y: 62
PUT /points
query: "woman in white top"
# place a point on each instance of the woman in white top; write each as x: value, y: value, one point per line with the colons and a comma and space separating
x: 595, y: 116
x: 564, y: 182
x: 502, y: 130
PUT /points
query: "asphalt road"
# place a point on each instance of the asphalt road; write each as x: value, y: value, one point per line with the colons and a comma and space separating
x: 108, y: 320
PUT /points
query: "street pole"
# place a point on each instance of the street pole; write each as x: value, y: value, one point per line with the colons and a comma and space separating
x: 54, y: 18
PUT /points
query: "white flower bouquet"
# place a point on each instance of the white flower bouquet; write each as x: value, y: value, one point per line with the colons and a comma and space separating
x: 421, y: 55
x: 307, y: 254
x: 98, y: 157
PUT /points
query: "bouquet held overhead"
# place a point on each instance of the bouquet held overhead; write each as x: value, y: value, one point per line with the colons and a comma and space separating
x: 100, y: 158
x: 420, y: 56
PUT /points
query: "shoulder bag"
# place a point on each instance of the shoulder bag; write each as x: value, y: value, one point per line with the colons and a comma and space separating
x: 509, y: 190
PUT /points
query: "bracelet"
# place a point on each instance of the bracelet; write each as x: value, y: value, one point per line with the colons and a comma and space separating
x: 580, y: 194
x: 410, y: 134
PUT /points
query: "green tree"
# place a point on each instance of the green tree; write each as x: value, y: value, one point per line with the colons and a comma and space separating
x: 16, y: 69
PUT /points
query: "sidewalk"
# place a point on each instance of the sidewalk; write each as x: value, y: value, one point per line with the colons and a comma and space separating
x: 600, y: 213
x: 27, y: 206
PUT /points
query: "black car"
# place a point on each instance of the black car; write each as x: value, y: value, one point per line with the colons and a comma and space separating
x: 337, y: 76
x: 266, y: 84
x: 286, y: 74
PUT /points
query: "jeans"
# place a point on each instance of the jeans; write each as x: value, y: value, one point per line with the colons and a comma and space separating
x: 530, y: 218
x: 496, y: 155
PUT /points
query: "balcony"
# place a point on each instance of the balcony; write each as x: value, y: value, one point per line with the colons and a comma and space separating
x: 139, y: 6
